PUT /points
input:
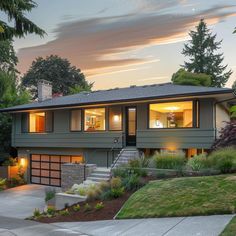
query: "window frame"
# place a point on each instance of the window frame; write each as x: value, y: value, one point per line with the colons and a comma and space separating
x: 45, y: 126
x: 81, y: 121
x: 121, y: 112
x: 106, y: 122
x: 195, y: 111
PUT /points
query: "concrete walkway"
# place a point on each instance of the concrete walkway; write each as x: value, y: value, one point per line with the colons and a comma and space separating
x: 176, y: 226
x: 21, y: 201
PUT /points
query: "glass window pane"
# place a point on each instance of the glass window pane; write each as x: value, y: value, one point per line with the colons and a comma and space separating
x: 45, y: 165
x: 115, y: 118
x: 75, y: 120
x: 44, y: 158
x: 35, y: 172
x: 35, y: 164
x: 132, y: 121
x: 37, y: 122
x: 45, y: 181
x: 65, y: 159
x: 55, y: 166
x: 55, y: 158
x: 55, y: 182
x: 171, y: 115
x: 77, y: 159
x: 94, y: 119
x: 55, y: 174
x: 35, y: 157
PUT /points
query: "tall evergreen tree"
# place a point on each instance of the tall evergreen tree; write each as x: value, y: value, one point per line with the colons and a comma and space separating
x: 203, y: 57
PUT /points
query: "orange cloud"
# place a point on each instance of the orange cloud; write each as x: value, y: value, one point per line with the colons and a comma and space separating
x: 89, y: 44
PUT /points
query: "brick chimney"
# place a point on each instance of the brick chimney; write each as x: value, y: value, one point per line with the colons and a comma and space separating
x: 44, y: 90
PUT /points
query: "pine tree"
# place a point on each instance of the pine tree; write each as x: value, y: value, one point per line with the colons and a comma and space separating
x: 203, y: 57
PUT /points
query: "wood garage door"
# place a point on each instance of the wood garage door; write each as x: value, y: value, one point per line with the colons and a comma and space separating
x: 46, y: 169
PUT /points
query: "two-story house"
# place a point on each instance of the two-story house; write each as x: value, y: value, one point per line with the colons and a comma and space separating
x: 94, y: 126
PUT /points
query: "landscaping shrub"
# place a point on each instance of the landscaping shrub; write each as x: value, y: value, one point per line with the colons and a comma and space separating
x: 104, y: 185
x: 169, y: 161
x: 76, y: 207
x: 227, y: 136
x: 2, y: 184
x: 117, y: 192
x: 223, y: 159
x: 116, y: 182
x: 106, y: 195
x: 49, y: 194
x: 80, y: 191
x: 99, y: 206
x: 36, y: 213
x: 132, y: 182
x: 51, y: 210
x: 198, y: 162
x: 64, y: 212
x: 120, y: 172
x: 87, y: 207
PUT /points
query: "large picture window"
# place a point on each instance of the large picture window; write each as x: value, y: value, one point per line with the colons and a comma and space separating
x: 94, y: 119
x: 171, y: 115
x: 75, y: 120
x: 115, y: 118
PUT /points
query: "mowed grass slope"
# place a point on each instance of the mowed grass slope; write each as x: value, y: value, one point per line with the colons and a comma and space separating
x: 183, y: 197
x: 230, y: 229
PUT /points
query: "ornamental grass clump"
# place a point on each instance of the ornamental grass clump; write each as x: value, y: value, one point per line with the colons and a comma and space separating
x: 169, y: 161
x: 223, y: 159
x: 198, y: 162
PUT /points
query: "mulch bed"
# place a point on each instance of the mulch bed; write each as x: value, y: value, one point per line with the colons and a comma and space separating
x: 111, y: 208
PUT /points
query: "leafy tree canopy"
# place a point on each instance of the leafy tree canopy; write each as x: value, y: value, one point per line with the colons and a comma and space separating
x: 81, y: 88
x: 59, y: 71
x: 18, y: 25
x: 183, y: 77
x: 8, y: 58
x: 10, y: 95
x: 201, y: 51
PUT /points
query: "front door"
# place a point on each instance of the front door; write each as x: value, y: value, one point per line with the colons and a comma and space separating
x: 131, y: 126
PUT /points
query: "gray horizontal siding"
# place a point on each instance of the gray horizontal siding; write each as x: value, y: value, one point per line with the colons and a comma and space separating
x: 189, y: 138
x: 72, y: 140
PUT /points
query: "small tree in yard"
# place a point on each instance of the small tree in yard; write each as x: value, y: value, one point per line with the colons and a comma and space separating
x: 227, y: 136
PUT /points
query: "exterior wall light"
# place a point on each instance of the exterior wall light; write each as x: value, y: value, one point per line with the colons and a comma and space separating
x: 22, y: 162
x: 116, y: 118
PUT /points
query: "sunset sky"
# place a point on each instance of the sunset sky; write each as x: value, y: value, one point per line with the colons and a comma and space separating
x: 118, y: 43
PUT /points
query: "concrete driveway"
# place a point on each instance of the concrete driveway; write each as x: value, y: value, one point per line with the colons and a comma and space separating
x: 20, y: 202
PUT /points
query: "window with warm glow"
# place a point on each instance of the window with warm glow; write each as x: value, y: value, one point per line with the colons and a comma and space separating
x: 171, y: 115
x: 37, y: 122
x: 115, y: 118
x: 94, y: 119
x: 75, y: 121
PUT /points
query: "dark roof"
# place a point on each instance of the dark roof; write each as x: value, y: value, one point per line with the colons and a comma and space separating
x: 131, y: 93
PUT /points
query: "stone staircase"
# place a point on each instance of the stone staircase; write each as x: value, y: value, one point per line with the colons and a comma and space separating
x: 125, y: 155
x: 103, y: 174
x: 98, y: 175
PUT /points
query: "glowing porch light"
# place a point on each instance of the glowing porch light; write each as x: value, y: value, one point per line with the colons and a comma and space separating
x: 23, y: 161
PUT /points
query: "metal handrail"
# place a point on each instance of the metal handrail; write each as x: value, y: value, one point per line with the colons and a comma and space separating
x: 116, y: 140
x: 115, y: 161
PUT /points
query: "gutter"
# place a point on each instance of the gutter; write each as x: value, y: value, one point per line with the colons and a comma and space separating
x: 114, y: 101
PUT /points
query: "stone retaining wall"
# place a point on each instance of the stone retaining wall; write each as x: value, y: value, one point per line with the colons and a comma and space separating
x: 73, y: 173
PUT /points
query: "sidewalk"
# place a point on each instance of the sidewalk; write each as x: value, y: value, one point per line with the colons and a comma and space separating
x: 175, y: 226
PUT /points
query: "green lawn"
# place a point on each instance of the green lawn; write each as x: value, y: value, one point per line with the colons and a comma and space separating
x: 230, y: 229
x: 187, y: 196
